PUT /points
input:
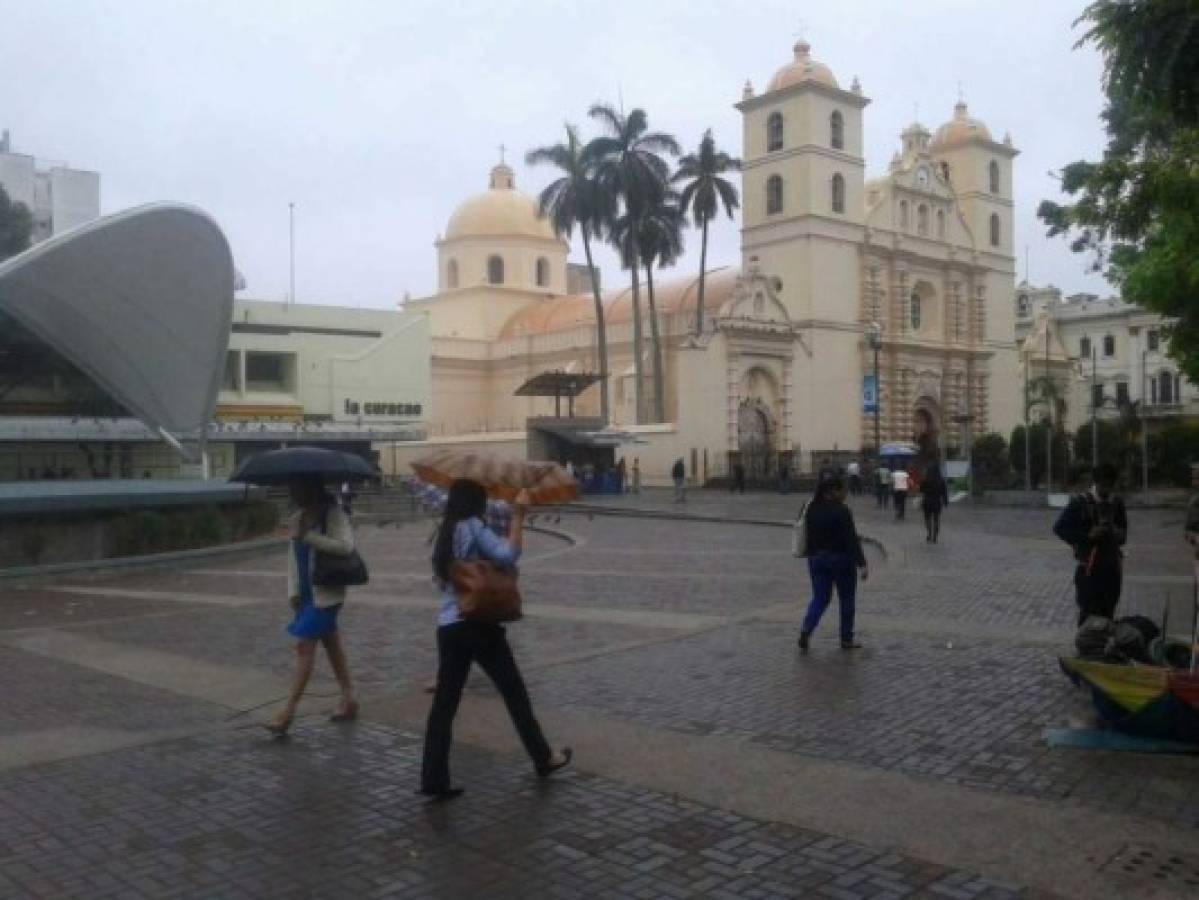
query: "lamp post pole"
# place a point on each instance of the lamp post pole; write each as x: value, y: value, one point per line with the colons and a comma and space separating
x: 291, y: 249
x: 1027, y: 428
x: 876, y: 343
x: 1094, y: 409
x: 1144, y: 426
x: 1049, y: 400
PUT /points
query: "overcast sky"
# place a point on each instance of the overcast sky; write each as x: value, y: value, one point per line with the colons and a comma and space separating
x: 378, y: 118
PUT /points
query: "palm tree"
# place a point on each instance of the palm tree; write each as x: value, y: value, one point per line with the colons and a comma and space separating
x: 703, y: 194
x: 630, y: 173
x: 656, y: 240
x: 573, y: 200
x: 661, y: 241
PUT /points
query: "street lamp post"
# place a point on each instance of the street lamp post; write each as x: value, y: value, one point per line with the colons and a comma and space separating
x: 1094, y: 409
x: 876, y: 344
x: 1144, y: 425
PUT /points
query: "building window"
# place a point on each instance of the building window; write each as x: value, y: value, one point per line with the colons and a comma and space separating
x: 922, y: 219
x: 1022, y: 308
x: 903, y: 213
x: 1122, y: 393
x: 914, y: 311
x: 231, y: 380
x: 836, y: 128
x: 451, y: 274
x: 1096, y: 396
x: 774, y: 195
x: 940, y: 223
x: 1154, y: 339
x: 543, y: 272
x: 994, y: 229
x: 1084, y: 348
x: 495, y: 270
x: 838, y: 193
x: 1109, y: 345
x: 774, y: 132
x: 993, y: 176
x: 1165, y: 391
x: 269, y: 371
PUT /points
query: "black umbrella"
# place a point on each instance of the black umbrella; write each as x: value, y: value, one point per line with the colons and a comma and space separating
x: 291, y: 463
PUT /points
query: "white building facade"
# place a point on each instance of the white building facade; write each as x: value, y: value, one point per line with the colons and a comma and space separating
x: 1104, y: 353
x: 59, y: 197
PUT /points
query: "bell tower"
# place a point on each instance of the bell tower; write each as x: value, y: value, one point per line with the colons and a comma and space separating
x: 802, y: 185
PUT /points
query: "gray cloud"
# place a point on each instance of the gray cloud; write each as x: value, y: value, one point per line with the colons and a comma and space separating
x: 376, y: 119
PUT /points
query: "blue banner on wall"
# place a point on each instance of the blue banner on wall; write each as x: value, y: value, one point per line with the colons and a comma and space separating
x: 869, y: 394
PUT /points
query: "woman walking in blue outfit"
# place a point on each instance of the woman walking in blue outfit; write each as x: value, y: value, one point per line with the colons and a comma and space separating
x: 318, y: 524
x: 463, y: 535
x: 835, y: 558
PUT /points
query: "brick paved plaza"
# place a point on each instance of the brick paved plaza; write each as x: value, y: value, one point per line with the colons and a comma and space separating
x: 712, y: 760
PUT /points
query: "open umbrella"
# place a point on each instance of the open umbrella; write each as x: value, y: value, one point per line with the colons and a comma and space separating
x: 1150, y: 701
x: 546, y: 482
x: 282, y: 466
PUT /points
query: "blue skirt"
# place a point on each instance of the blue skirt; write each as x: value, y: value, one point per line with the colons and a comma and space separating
x: 314, y: 622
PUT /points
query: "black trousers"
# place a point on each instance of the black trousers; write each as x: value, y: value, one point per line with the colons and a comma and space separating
x: 1098, y: 594
x: 932, y: 520
x: 458, y: 646
x: 901, y: 502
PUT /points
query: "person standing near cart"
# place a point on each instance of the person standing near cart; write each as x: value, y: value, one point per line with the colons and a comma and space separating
x: 1095, y: 525
x: 900, y: 483
x: 882, y: 485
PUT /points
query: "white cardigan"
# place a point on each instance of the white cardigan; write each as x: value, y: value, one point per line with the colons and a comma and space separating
x: 338, y: 540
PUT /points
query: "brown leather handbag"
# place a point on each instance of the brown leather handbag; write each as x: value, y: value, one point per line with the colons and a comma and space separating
x: 486, y: 593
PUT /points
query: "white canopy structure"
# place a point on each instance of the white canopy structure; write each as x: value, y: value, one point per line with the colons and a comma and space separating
x: 140, y: 302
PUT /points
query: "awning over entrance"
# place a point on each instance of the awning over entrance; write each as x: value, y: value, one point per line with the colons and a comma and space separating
x: 558, y: 385
x: 584, y: 437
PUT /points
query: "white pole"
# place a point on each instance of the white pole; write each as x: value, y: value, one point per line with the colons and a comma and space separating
x: 291, y: 228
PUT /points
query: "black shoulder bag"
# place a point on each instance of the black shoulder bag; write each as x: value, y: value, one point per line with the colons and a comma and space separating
x: 330, y: 570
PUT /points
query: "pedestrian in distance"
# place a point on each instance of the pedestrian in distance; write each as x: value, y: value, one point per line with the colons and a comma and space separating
x: 636, y: 474
x: 934, y: 492
x: 882, y: 486
x: 900, y: 483
x: 464, y: 535
x: 739, y: 478
x: 854, y: 471
x: 784, y: 479
x: 318, y: 524
x: 678, y: 474
x: 835, y: 559
x: 1095, y: 525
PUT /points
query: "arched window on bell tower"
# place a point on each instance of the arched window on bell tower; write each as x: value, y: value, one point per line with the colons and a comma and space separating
x: 774, y: 132
x: 994, y: 229
x: 836, y: 129
x: 774, y: 194
x: 993, y: 177
x: 543, y: 272
x: 451, y: 274
x: 838, y: 193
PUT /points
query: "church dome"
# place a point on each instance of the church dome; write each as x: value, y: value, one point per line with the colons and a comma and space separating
x: 802, y: 68
x: 960, y: 129
x: 500, y: 211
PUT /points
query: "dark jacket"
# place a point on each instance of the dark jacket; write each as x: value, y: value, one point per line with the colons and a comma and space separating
x: 935, y: 492
x: 830, y: 529
x: 677, y: 471
x: 1084, y: 512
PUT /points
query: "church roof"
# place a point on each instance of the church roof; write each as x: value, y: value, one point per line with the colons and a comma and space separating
x: 578, y: 310
x: 802, y: 68
x: 500, y: 211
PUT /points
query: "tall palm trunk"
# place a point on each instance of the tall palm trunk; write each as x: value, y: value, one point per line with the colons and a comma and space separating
x: 703, y: 264
x: 601, y: 332
x: 656, y: 344
x: 638, y: 387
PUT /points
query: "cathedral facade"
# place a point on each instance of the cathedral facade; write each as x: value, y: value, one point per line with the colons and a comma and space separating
x: 914, y: 268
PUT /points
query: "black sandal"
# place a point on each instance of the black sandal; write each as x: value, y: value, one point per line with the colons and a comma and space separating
x: 550, y: 768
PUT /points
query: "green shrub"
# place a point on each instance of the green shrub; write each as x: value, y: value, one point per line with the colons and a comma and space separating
x: 208, y: 528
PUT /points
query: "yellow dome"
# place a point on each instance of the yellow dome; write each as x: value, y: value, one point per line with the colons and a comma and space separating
x: 500, y: 211
x: 960, y: 129
x: 802, y: 68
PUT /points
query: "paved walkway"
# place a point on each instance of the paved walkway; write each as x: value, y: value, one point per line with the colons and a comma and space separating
x: 712, y: 759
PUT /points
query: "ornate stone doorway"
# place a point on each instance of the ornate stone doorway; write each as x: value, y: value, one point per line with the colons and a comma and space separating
x: 926, y: 427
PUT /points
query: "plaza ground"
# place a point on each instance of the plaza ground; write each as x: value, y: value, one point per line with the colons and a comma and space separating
x: 712, y: 759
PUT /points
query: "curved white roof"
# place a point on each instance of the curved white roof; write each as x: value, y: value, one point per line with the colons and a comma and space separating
x: 140, y: 301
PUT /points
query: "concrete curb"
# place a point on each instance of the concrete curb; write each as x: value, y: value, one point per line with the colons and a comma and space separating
x: 578, y: 508
x: 145, y: 561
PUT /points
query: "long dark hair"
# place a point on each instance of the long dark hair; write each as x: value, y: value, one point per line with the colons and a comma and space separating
x: 466, y: 500
x: 827, y: 489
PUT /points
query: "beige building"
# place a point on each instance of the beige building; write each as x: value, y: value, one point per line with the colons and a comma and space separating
x: 925, y: 251
x: 1101, y: 353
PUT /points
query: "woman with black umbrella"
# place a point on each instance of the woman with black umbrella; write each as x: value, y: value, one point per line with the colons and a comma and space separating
x: 318, y: 525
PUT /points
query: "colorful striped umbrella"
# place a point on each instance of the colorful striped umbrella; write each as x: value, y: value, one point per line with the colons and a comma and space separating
x: 1151, y: 701
x: 546, y: 482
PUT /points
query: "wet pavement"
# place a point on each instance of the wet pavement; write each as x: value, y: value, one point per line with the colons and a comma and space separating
x: 131, y: 762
